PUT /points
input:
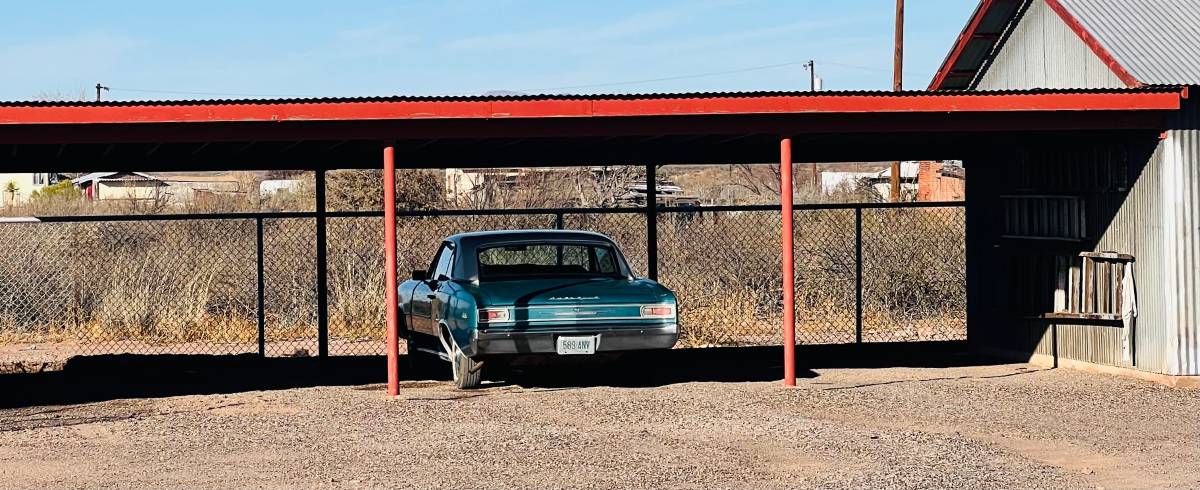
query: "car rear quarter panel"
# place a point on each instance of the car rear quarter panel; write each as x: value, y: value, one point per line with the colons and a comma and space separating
x: 460, y: 315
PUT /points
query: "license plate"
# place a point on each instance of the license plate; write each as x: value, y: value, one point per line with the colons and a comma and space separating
x: 576, y: 345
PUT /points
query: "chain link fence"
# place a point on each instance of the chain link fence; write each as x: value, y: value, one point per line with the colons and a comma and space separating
x: 191, y: 285
x: 914, y: 279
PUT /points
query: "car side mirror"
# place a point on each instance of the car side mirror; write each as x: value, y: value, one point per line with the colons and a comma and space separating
x: 420, y: 275
x: 443, y: 278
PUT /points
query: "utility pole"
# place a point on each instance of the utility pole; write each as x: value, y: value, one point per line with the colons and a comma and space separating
x: 898, y: 85
x: 98, y: 89
x: 812, y: 75
x: 811, y: 66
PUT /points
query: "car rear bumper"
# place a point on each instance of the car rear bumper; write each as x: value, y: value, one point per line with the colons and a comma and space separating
x: 543, y: 340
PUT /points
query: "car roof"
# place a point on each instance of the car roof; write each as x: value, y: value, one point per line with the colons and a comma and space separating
x: 477, y: 238
x: 467, y: 245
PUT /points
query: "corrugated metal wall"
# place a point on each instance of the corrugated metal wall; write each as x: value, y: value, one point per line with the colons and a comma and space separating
x: 1043, y: 52
x: 1181, y: 221
x: 1137, y: 229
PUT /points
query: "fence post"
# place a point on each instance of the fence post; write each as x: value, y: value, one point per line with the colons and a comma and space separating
x: 651, y: 222
x: 558, y: 220
x: 858, y: 276
x: 262, y: 317
x: 322, y: 264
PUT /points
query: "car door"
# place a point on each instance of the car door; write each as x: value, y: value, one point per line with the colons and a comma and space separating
x: 441, y: 286
x: 424, y: 298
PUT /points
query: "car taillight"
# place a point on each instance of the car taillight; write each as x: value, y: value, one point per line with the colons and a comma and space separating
x: 658, y: 311
x: 493, y: 315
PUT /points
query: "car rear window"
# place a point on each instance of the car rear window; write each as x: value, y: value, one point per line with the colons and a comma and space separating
x: 516, y: 261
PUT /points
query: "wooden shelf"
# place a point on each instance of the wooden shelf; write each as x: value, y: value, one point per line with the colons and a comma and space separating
x: 1062, y: 315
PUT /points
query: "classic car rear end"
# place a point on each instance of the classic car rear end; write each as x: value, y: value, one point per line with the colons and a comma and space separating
x: 554, y: 293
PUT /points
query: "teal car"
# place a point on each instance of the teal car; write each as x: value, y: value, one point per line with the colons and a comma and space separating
x: 488, y: 297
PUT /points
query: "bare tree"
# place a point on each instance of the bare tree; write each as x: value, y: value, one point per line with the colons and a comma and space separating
x: 603, y: 186
x: 60, y: 96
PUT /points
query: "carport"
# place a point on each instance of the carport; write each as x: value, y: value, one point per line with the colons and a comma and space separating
x: 980, y: 128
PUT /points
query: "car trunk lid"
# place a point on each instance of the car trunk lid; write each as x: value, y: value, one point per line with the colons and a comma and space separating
x: 566, y: 301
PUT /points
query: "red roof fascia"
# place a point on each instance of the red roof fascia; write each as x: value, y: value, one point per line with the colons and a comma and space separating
x: 831, y: 103
x: 960, y: 44
x: 1094, y: 44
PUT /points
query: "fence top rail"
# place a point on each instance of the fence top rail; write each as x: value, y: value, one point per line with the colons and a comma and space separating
x: 464, y: 212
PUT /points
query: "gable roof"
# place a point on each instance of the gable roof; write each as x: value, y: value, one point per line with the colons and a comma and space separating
x: 1144, y: 42
x: 112, y: 176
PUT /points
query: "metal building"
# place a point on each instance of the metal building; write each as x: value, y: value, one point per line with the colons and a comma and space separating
x: 1086, y: 255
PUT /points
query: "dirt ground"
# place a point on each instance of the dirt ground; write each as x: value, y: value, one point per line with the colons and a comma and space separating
x: 652, y: 423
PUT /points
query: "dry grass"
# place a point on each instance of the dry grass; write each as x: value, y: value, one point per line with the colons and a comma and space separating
x: 196, y: 281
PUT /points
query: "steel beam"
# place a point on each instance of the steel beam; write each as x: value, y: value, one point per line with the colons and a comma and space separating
x: 322, y: 270
x: 651, y: 222
x: 274, y: 112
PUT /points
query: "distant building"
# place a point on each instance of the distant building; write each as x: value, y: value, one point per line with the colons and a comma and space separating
x: 476, y: 183
x: 940, y: 181
x: 876, y: 175
x: 104, y: 186
x: 468, y: 183
x: 16, y: 188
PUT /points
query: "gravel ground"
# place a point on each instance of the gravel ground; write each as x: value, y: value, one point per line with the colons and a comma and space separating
x: 994, y: 426
x: 36, y: 357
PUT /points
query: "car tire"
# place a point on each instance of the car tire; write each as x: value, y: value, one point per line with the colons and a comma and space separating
x: 467, y: 373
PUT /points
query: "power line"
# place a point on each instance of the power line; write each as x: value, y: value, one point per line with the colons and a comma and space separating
x: 544, y: 89
x: 667, y: 79
x: 216, y: 94
x: 874, y: 68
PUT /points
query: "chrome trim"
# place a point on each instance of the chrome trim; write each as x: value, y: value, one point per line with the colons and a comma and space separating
x: 606, y: 318
x: 670, y: 327
x: 569, y: 305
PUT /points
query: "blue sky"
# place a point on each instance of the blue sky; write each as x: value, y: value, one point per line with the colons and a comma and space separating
x: 376, y: 47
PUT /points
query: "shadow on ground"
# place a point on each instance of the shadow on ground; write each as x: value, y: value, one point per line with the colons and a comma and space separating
x: 98, y: 378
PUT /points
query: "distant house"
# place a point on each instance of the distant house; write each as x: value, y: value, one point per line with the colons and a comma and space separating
x: 103, y: 186
x: 877, y: 175
x: 15, y: 189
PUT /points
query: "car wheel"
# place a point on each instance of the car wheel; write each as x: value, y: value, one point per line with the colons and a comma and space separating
x: 466, y: 372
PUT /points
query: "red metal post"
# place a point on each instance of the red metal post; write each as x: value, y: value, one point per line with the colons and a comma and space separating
x: 789, y: 309
x: 389, y: 254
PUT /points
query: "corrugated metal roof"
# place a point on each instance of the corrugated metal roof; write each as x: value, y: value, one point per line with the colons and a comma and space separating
x: 113, y: 176
x: 1156, y: 41
x: 564, y: 97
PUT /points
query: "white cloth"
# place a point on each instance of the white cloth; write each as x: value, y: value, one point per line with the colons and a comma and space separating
x: 1129, y: 311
